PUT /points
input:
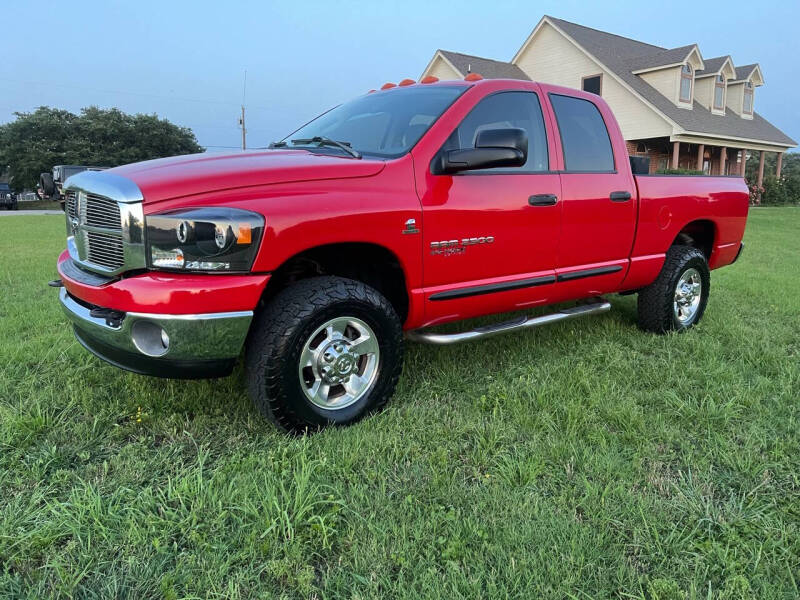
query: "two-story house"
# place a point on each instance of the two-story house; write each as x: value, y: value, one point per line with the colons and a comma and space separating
x: 674, y: 106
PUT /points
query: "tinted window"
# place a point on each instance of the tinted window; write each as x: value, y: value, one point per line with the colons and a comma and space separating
x: 505, y: 110
x: 584, y: 136
x: 592, y: 84
x: 386, y: 123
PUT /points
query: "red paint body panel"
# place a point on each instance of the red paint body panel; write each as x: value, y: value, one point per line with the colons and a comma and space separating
x: 311, y: 200
x: 171, y: 293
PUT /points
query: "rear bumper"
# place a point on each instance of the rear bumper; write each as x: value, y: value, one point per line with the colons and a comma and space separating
x: 191, y: 346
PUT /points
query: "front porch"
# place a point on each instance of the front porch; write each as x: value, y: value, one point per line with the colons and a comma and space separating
x: 667, y: 154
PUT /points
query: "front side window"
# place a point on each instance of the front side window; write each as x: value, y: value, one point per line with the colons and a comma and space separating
x: 385, y: 124
x: 504, y: 110
x: 584, y: 136
x: 686, y: 83
x: 747, y: 101
x: 719, y: 92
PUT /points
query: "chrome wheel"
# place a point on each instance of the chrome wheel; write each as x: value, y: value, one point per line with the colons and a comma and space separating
x: 339, y: 363
x: 688, y: 294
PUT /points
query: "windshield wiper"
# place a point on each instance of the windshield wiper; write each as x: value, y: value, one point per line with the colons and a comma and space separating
x: 326, y: 141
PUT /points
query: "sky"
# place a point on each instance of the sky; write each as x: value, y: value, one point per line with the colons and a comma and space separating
x: 186, y: 61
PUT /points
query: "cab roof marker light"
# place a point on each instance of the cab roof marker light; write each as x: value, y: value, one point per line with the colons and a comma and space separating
x: 388, y: 86
x: 473, y: 77
x: 406, y: 82
x: 372, y: 91
x: 429, y: 79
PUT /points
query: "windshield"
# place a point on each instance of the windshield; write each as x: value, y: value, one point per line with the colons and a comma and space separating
x: 385, y: 124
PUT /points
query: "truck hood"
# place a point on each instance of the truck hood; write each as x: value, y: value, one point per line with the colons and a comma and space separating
x: 168, y: 178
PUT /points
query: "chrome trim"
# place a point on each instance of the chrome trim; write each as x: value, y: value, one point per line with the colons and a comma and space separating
x: 126, y: 194
x: 192, y: 337
x: 420, y: 335
x: 103, y: 183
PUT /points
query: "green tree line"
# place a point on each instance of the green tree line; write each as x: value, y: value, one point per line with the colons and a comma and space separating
x: 36, y: 141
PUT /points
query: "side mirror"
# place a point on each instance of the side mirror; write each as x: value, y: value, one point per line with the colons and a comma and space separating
x: 493, y: 148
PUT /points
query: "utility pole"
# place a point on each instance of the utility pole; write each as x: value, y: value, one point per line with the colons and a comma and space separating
x: 241, y: 120
x: 244, y: 131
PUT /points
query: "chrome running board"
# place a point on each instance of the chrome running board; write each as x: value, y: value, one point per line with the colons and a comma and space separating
x: 420, y: 335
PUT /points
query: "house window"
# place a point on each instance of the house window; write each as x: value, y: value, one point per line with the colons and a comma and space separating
x: 719, y: 92
x: 747, y: 101
x: 686, y: 83
x: 592, y: 84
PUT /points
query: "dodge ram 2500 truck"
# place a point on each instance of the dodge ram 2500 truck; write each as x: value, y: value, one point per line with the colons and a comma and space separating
x: 408, y: 207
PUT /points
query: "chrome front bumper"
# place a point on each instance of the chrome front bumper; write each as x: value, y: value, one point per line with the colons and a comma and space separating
x: 175, y: 346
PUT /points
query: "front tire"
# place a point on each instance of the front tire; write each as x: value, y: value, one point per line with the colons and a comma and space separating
x: 324, y: 351
x: 677, y: 299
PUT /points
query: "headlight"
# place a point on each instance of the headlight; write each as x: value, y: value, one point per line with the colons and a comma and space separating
x: 203, y: 239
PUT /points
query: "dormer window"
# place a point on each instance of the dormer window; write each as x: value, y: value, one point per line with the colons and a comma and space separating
x: 719, y: 92
x: 687, y: 79
x: 747, y: 100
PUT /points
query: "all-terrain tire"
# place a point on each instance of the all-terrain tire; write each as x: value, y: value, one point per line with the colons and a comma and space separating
x: 282, y: 331
x: 657, y: 302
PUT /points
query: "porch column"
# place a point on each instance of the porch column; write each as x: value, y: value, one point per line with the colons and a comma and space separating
x: 700, y: 151
x: 676, y: 148
x: 723, y: 158
x: 761, y: 168
x: 744, y: 162
x: 780, y: 164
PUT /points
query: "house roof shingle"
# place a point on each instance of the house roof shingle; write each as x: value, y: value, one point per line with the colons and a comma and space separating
x: 713, y: 65
x: 485, y: 67
x: 744, y: 72
x: 661, y: 58
x: 615, y: 53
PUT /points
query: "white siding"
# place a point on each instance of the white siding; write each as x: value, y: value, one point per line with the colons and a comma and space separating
x: 667, y: 81
x: 551, y: 58
x: 704, y: 91
x: 442, y: 70
x: 734, y: 99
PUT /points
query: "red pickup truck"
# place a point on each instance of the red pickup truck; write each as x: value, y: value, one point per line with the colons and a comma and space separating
x: 408, y: 207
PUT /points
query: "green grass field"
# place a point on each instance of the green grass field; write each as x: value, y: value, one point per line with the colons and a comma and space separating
x: 583, y: 460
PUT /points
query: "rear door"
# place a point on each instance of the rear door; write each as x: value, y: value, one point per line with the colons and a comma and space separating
x: 598, y: 193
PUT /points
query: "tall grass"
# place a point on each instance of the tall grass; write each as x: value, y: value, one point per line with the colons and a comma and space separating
x: 583, y: 460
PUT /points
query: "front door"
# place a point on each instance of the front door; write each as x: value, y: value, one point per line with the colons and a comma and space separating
x: 490, y: 237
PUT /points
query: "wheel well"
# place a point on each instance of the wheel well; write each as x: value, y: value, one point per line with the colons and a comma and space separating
x: 368, y: 263
x: 698, y: 234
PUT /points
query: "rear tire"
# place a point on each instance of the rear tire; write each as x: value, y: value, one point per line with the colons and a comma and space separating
x: 677, y: 299
x: 324, y: 351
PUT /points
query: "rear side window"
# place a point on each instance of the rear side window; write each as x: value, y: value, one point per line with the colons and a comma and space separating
x: 584, y: 137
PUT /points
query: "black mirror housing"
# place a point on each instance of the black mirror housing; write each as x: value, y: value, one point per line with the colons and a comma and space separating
x: 493, y: 148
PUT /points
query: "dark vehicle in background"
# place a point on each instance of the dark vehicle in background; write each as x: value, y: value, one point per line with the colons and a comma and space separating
x: 52, y: 184
x: 8, y: 199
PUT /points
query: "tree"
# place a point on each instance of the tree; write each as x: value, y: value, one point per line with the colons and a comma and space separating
x: 36, y: 141
x: 785, y: 190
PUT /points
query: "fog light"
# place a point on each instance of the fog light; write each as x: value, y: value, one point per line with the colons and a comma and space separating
x: 149, y: 338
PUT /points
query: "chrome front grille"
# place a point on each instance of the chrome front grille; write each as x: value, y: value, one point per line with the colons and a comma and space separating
x: 72, y: 204
x: 105, y: 223
x: 105, y: 249
x: 101, y: 212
